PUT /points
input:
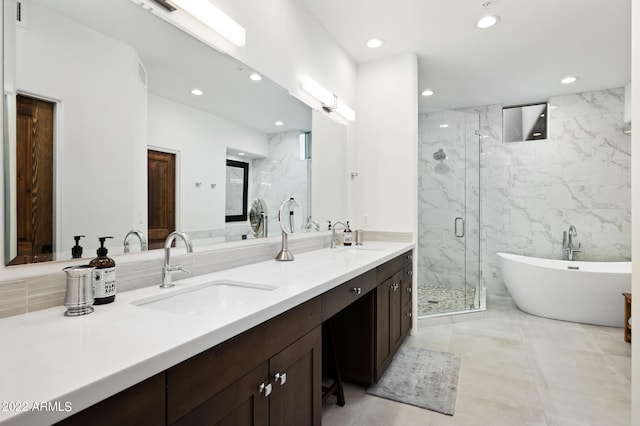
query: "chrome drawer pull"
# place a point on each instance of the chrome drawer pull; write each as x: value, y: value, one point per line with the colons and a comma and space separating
x: 356, y: 290
x: 282, y: 378
x: 408, y: 289
x: 265, y: 389
x: 409, y: 314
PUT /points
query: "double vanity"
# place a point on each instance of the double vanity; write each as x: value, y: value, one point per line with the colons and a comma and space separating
x: 243, y: 345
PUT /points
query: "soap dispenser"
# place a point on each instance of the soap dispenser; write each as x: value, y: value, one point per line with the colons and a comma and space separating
x: 104, y: 276
x: 76, y: 251
x: 348, y: 237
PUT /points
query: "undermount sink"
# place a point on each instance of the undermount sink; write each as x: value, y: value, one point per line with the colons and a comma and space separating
x: 206, y: 298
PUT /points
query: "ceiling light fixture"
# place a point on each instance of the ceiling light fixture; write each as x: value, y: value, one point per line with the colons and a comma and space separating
x: 279, y: 123
x: 487, y: 21
x: 427, y: 92
x: 374, y: 43
x: 241, y: 153
x: 255, y: 76
x: 330, y: 102
x: 569, y: 79
x: 197, y: 92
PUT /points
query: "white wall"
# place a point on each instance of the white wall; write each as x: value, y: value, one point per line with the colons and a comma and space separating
x: 200, y: 140
x: 386, y: 137
x: 635, y: 208
x: 97, y: 143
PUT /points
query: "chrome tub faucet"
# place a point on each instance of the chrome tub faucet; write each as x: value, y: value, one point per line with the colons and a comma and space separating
x: 568, y: 247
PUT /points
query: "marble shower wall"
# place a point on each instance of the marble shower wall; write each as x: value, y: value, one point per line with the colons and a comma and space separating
x: 276, y: 178
x: 448, y: 189
x: 533, y: 191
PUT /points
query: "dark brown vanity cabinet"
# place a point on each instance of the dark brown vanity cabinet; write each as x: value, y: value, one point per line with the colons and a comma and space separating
x: 141, y: 404
x: 269, y: 375
x: 369, y: 329
x: 393, y: 309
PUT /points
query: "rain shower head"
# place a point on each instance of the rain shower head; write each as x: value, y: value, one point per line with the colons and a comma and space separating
x: 439, y: 155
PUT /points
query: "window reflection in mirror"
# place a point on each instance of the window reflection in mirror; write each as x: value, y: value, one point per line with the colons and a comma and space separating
x: 237, y: 189
x: 525, y: 122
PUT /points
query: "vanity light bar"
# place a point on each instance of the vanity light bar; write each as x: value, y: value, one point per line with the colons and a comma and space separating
x: 330, y: 102
x: 213, y: 18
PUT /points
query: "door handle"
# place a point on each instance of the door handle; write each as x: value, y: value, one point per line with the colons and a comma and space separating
x: 458, y: 227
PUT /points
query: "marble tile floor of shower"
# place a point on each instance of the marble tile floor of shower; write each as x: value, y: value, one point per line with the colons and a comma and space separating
x: 434, y: 299
x: 516, y: 369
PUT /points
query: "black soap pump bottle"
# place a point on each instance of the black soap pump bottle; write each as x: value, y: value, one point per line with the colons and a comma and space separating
x: 104, y: 276
x: 76, y: 251
x: 348, y: 236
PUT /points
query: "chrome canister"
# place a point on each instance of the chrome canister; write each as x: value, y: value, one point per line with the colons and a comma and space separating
x: 79, y: 296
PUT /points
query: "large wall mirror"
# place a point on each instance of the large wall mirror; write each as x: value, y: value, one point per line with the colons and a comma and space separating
x: 103, y: 134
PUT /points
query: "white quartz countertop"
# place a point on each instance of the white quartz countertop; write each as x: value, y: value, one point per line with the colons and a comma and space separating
x: 65, y: 364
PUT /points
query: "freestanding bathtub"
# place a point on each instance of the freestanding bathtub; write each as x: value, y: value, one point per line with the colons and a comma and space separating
x: 586, y: 292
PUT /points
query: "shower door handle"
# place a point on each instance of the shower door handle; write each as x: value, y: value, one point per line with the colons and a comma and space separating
x: 458, y: 227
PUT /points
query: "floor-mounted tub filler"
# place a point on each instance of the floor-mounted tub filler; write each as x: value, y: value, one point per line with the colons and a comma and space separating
x: 586, y: 292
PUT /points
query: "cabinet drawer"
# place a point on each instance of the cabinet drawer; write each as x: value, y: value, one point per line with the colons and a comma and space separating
x: 388, y: 269
x: 334, y: 300
x: 194, y: 381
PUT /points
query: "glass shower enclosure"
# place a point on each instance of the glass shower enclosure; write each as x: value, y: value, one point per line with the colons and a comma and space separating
x: 448, y: 212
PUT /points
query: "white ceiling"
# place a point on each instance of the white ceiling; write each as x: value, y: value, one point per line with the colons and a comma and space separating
x: 521, y: 60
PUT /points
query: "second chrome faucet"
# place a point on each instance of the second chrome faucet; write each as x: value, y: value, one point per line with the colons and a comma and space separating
x: 167, y: 269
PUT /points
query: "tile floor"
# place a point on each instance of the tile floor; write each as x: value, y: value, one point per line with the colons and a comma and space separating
x: 516, y: 369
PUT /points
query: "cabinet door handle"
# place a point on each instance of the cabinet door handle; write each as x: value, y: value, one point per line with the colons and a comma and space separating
x: 394, y: 286
x: 282, y: 378
x: 410, y: 273
x: 409, y: 314
x: 408, y: 289
x: 265, y: 389
x: 410, y: 257
x: 356, y: 290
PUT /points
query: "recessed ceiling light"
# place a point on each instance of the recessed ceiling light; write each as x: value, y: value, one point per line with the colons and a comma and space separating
x: 569, y: 79
x: 279, y: 123
x: 427, y: 92
x: 197, y: 92
x: 487, y: 21
x: 255, y: 76
x: 241, y: 153
x: 444, y: 126
x: 374, y: 43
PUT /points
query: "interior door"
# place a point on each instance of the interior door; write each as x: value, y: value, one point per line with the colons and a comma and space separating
x: 34, y: 180
x: 161, y: 181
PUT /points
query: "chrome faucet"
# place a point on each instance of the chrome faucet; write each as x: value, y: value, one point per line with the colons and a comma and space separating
x: 167, y: 269
x: 141, y: 237
x: 312, y: 224
x: 567, y: 242
x: 333, y: 233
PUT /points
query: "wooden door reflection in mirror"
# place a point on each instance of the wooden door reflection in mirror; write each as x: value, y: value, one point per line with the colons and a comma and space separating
x: 34, y: 180
x: 161, y: 192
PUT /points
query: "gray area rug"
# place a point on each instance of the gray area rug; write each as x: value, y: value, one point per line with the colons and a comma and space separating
x: 420, y: 377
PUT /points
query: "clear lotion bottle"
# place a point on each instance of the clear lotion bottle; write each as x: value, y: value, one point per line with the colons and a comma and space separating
x: 104, y: 276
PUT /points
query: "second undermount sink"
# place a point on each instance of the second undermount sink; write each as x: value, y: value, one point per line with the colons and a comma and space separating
x: 201, y: 299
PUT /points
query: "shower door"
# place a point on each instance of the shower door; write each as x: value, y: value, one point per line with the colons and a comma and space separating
x: 449, y: 212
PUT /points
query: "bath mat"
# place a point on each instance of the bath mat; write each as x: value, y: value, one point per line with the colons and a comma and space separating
x: 420, y: 377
